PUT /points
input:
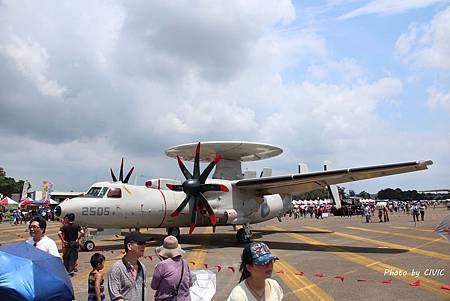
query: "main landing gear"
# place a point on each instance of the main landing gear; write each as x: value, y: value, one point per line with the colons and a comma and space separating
x: 174, y: 231
x: 244, y: 234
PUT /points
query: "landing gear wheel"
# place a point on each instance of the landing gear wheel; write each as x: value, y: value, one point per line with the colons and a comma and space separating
x: 89, y: 245
x: 242, y: 236
x: 174, y: 231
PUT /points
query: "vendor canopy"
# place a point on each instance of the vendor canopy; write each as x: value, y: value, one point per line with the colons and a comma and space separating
x: 7, y: 201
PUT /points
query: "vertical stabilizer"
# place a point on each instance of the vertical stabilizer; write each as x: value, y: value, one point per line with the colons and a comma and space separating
x: 265, y: 172
x: 302, y: 168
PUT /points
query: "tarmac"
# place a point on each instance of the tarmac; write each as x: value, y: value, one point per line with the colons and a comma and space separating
x: 337, y: 258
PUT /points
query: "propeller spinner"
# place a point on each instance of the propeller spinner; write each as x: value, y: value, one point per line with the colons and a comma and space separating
x: 194, y: 187
x: 121, y: 179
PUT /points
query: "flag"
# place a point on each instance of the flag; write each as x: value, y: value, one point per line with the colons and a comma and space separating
x: 50, y: 190
x: 444, y: 228
x: 26, y: 186
x: 44, y: 190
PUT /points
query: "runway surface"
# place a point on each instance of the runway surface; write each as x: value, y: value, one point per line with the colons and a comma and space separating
x: 337, y: 258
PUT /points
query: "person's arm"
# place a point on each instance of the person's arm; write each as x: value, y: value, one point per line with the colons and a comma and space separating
x: 114, y: 284
x: 190, y: 277
x: 156, y: 279
x: 98, y: 280
x: 80, y: 234
x: 61, y: 236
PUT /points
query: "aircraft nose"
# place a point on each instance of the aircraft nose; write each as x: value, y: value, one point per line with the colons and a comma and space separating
x: 58, y: 211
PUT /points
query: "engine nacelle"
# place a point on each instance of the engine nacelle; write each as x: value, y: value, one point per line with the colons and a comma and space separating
x: 230, y: 215
x: 272, y: 206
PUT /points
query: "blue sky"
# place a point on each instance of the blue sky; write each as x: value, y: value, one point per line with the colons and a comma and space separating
x: 355, y: 82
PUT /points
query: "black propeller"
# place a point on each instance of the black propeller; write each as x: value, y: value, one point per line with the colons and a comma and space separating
x: 121, y: 179
x: 194, y: 186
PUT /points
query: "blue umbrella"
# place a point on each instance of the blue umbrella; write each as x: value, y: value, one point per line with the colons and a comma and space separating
x: 27, y: 273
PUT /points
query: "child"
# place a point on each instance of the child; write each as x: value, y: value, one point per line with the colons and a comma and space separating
x: 96, y: 288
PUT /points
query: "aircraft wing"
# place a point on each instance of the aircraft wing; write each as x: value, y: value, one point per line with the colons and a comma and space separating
x: 299, y: 183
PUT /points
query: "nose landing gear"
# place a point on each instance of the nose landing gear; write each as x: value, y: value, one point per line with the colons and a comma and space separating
x: 86, y: 242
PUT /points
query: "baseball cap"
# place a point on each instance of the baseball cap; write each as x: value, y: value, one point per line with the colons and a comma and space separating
x: 261, y: 254
x: 136, y: 237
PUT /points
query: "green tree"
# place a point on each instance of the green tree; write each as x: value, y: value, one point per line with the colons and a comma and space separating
x: 8, y: 186
x: 400, y: 195
x: 313, y: 195
x: 363, y: 194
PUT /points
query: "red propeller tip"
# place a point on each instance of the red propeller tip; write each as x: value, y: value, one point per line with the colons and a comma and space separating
x: 217, y: 159
x: 212, y: 218
x: 179, y: 159
x: 223, y: 188
x: 197, y: 149
x: 191, y: 228
x: 175, y: 213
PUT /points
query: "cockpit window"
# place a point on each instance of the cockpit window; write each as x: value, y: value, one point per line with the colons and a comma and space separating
x: 115, y: 193
x: 103, y: 192
x: 93, y: 192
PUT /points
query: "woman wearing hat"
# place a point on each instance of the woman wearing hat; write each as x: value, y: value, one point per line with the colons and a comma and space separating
x: 172, y: 277
x: 255, y: 283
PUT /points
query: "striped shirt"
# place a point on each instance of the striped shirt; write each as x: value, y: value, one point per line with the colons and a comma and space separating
x: 91, y: 288
x: 122, y: 284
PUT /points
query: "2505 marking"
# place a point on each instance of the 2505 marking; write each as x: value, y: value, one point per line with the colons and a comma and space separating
x: 95, y: 210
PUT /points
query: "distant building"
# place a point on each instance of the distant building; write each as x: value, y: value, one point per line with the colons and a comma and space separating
x: 57, y: 196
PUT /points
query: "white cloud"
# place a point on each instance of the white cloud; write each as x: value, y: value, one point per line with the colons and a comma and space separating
x: 406, y: 41
x: 428, y: 45
x: 208, y: 117
x: 388, y: 7
x: 143, y: 76
x: 328, y: 114
x: 32, y: 60
x: 347, y: 69
x: 437, y: 99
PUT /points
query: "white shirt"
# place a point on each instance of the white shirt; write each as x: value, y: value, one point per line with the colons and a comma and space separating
x: 46, y: 244
x: 241, y: 292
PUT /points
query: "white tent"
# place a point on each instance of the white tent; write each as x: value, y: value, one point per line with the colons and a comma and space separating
x: 52, y: 202
x: 8, y: 201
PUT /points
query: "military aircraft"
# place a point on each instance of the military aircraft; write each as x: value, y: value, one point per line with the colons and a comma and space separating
x: 230, y: 197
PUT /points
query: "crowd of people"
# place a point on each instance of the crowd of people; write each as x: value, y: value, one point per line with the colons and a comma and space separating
x: 172, y: 277
x: 366, y: 208
x: 20, y: 216
x: 126, y: 279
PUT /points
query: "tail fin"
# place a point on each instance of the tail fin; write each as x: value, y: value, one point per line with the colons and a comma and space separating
x: 302, y: 168
x: 332, y: 189
x: 265, y: 172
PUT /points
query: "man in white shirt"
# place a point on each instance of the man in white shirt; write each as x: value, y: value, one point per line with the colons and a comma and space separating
x: 39, y: 239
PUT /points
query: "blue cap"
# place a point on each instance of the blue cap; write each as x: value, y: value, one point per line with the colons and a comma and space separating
x: 260, y: 253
